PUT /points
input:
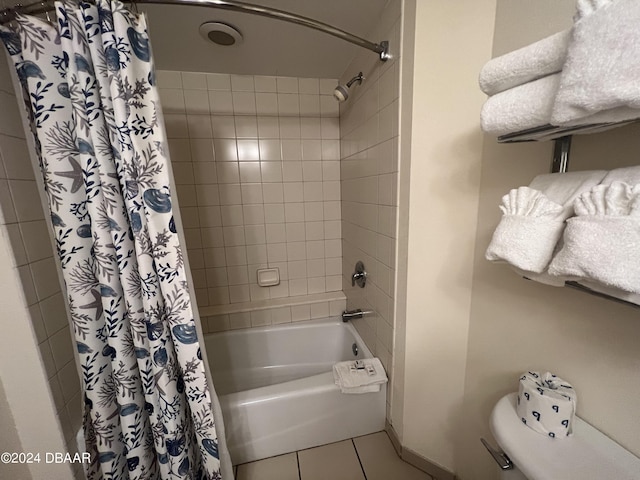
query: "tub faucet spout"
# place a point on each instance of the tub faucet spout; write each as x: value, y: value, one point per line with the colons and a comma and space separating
x: 350, y: 314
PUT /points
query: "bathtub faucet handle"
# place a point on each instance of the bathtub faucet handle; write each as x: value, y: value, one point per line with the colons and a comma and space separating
x: 359, y: 276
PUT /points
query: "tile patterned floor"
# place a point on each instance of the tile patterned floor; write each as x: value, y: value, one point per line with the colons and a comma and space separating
x: 371, y: 457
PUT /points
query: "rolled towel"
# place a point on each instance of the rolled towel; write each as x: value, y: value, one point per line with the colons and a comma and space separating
x: 601, y: 242
x: 547, y: 404
x: 628, y: 175
x: 353, y: 380
x: 531, y: 105
x: 564, y: 188
x: 533, y: 221
x: 602, y: 68
x: 526, y: 64
x: 520, y: 108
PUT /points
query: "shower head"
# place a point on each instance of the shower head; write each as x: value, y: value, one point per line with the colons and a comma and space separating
x: 341, y: 92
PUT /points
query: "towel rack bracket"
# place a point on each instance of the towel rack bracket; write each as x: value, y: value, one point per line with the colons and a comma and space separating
x: 561, y: 151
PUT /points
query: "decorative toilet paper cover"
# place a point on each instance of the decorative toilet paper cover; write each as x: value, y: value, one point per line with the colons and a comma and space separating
x: 547, y: 404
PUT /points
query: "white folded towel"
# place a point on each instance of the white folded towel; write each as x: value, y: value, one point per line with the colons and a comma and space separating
x: 528, y: 231
x: 601, y: 242
x: 629, y: 175
x: 587, y: 7
x: 351, y: 380
x: 520, y: 108
x: 526, y: 64
x: 602, y: 68
x: 365, y: 389
x: 531, y: 105
x: 533, y: 221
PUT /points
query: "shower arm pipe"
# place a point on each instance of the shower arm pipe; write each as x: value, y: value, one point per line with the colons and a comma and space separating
x: 382, y: 48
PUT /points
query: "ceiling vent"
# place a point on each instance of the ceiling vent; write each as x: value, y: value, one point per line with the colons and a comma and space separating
x: 221, y: 34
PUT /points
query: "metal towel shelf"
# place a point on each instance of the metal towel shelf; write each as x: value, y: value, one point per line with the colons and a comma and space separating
x: 560, y: 164
x: 551, y: 132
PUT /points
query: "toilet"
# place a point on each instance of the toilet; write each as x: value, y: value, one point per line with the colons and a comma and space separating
x: 588, y: 454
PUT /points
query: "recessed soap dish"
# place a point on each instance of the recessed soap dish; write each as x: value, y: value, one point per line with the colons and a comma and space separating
x: 268, y: 277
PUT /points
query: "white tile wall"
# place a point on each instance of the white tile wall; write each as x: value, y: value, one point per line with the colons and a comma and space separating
x: 256, y: 163
x: 369, y: 166
x: 273, y: 316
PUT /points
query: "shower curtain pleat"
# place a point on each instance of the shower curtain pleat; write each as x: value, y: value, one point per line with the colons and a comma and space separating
x: 90, y: 94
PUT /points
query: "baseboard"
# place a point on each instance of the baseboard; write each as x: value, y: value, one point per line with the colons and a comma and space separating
x: 394, y: 437
x: 418, y: 461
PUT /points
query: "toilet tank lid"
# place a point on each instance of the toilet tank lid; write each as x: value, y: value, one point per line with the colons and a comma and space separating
x: 588, y: 454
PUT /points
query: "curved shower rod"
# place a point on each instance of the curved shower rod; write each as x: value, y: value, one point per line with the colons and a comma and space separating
x: 382, y: 48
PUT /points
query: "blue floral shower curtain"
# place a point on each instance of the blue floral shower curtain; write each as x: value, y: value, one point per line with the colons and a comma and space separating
x: 90, y: 92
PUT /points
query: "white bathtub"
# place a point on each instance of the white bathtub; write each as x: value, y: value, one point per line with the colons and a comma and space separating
x: 277, y: 392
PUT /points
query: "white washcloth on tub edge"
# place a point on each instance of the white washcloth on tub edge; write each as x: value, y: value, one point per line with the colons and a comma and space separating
x: 526, y: 64
x: 603, y: 66
x: 366, y: 389
x: 348, y: 381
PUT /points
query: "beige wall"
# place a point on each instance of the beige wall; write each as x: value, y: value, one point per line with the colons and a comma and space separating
x: 518, y: 325
x: 369, y: 166
x: 35, y: 325
x: 452, y: 41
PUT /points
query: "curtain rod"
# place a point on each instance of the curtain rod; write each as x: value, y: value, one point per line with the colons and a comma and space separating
x: 382, y: 48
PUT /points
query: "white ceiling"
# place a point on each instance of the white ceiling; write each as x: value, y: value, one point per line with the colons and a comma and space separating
x: 270, y: 47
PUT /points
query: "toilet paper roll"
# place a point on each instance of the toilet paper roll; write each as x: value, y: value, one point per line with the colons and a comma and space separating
x: 547, y: 404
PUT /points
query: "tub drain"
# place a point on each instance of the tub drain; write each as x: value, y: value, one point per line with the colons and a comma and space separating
x: 354, y: 349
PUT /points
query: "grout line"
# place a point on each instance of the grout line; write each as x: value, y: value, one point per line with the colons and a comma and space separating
x: 359, y: 461
x: 298, y: 464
